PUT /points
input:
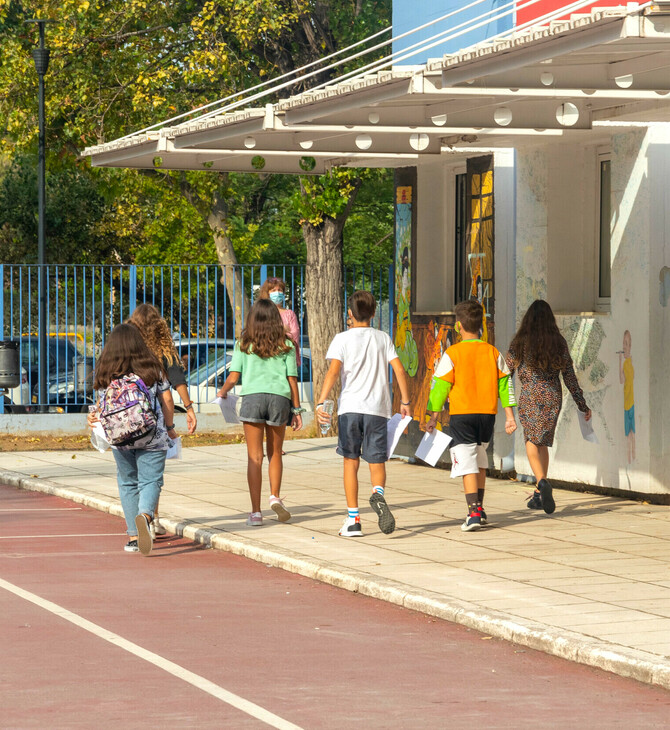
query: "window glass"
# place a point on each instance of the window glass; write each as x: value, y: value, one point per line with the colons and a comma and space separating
x: 605, y: 267
x: 461, y: 239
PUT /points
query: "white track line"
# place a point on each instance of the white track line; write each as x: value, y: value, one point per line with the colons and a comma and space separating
x: 165, y: 664
x: 43, y: 509
x: 41, y: 537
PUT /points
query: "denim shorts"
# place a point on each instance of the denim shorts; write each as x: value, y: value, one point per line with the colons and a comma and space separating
x: 275, y: 410
x: 360, y: 434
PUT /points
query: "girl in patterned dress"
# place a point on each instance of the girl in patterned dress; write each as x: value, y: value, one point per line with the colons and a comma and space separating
x: 538, y: 353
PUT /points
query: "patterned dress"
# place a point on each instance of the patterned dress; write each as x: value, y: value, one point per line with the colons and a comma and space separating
x: 541, y: 397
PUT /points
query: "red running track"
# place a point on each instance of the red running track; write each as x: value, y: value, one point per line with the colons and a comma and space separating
x: 313, y: 655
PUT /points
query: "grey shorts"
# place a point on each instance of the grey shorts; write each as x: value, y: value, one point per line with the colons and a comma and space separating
x: 360, y: 434
x: 275, y: 410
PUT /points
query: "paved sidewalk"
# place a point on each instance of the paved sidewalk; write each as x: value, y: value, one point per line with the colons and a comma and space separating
x: 590, y: 583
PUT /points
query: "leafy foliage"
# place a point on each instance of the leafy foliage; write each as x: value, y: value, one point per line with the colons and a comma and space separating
x: 119, y: 65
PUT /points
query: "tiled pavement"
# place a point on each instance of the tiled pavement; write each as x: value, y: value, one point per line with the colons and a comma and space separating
x: 590, y: 582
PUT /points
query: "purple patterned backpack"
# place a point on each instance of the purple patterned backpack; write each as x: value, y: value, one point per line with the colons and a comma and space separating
x: 127, y: 413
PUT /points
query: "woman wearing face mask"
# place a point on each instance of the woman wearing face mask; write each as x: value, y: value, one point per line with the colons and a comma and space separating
x: 274, y: 289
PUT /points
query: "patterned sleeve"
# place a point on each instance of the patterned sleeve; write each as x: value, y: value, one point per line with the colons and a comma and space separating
x: 510, y: 359
x: 571, y: 382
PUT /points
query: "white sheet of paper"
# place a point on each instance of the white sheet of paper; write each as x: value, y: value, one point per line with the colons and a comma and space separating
x: 588, y: 433
x: 228, y: 407
x: 102, y: 443
x: 394, y: 428
x: 432, y: 446
x: 175, y: 451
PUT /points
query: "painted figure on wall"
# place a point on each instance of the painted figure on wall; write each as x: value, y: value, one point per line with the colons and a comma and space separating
x: 405, y: 343
x: 626, y: 376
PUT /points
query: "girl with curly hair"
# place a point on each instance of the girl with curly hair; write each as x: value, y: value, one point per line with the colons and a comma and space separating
x: 264, y: 357
x: 539, y: 353
x: 156, y: 335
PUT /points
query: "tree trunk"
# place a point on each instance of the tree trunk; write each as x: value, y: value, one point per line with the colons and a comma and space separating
x: 324, y: 292
x: 217, y: 219
x: 231, y: 276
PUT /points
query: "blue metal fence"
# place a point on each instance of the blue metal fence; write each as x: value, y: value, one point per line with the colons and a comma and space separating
x: 204, y: 306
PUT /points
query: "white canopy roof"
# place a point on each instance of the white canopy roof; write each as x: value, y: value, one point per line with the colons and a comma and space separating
x: 562, y: 80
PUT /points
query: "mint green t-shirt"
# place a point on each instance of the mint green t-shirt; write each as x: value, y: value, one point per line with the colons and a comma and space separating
x: 264, y: 375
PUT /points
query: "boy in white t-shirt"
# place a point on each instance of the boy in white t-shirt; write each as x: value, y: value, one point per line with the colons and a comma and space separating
x: 361, y: 355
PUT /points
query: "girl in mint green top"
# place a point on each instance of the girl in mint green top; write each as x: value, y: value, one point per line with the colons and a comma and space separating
x: 265, y: 360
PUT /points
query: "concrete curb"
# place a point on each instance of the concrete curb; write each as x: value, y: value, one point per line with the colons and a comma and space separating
x: 639, y: 665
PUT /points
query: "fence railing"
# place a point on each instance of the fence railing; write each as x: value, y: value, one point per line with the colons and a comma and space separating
x: 204, y: 305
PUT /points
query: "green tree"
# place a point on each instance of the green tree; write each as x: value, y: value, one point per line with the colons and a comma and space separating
x: 118, y: 65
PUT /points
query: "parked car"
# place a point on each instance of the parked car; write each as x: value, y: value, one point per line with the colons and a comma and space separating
x: 17, y: 400
x: 69, y: 372
x: 71, y: 394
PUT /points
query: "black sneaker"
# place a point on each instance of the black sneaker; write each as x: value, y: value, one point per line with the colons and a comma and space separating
x: 131, y: 547
x: 548, y: 504
x: 385, y: 518
x: 535, y: 502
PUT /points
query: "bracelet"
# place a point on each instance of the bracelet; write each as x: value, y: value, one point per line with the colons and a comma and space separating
x: 189, y: 406
x: 297, y: 410
x: 169, y: 428
x: 318, y: 405
x: 405, y: 404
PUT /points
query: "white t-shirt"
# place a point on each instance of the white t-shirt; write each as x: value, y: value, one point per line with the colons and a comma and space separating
x: 365, y: 354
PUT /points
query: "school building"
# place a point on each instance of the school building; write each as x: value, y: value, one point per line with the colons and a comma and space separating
x: 531, y: 143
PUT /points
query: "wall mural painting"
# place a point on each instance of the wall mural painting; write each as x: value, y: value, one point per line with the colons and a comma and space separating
x: 404, y: 339
x: 438, y: 337
x: 626, y: 377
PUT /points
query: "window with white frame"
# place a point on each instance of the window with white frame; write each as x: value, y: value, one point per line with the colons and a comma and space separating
x: 604, y: 265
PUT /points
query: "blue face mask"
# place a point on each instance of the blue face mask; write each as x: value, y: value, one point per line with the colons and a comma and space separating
x: 277, y: 297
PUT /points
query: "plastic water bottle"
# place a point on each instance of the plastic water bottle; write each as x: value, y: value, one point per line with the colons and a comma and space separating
x: 327, y: 407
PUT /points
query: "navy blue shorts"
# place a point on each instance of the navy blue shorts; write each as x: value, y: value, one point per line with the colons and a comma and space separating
x: 360, y: 434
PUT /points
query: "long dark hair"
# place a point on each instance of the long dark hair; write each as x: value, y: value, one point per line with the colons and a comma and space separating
x: 125, y: 352
x: 265, y: 334
x: 538, y: 341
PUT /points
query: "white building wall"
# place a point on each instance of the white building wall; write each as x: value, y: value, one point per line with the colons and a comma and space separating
x: 556, y: 252
x: 659, y: 303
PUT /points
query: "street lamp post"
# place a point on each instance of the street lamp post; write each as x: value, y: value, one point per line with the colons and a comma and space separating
x: 41, y: 59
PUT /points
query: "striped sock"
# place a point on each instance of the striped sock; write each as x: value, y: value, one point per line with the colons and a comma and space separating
x: 353, y: 513
x: 379, y: 490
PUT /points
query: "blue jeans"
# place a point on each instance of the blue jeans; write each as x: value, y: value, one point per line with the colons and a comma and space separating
x: 139, y: 474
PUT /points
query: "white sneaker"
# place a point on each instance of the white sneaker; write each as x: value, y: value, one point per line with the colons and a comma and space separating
x: 158, y: 528
x: 276, y: 504
x: 255, y: 519
x: 351, y: 527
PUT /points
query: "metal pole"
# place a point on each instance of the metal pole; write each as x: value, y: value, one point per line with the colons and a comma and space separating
x: 41, y: 59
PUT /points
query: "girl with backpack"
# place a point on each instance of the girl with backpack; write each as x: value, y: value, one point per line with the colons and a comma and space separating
x: 156, y: 335
x: 264, y: 357
x: 133, y: 415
